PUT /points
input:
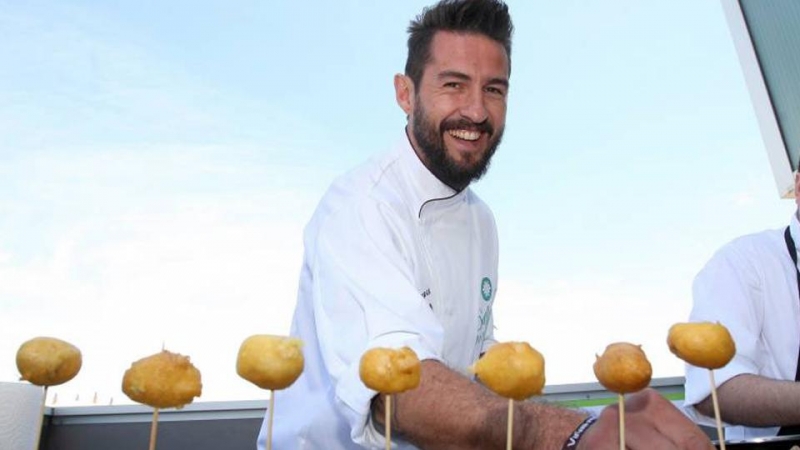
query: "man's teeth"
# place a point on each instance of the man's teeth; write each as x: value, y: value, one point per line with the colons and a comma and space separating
x: 465, y: 134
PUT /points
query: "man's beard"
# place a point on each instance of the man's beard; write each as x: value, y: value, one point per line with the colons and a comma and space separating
x: 430, y: 140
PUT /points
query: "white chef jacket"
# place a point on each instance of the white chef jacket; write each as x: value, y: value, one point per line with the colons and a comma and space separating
x: 750, y: 286
x: 393, y: 257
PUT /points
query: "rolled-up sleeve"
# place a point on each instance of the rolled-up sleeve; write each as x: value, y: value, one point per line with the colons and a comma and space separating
x: 364, y: 297
x: 727, y: 290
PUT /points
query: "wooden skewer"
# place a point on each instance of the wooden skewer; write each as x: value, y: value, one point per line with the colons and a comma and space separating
x: 154, y: 430
x: 271, y: 415
x: 720, y: 437
x: 388, y: 420
x: 41, y: 420
x: 509, y: 431
x: 154, y: 422
x: 621, y: 422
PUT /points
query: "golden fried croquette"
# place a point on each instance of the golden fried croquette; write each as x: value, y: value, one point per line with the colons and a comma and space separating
x: 390, y: 371
x: 623, y: 368
x: 163, y: 380
x: 702, y: 344
x: 270, y: 362
x: 46, y: 361
x: 511, y: 369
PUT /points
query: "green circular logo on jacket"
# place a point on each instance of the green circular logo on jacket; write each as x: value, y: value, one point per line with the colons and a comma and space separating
x: 486, y: 288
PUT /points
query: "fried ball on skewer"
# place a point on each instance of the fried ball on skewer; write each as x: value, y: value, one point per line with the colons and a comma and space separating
x: 46, y: 361
x: 512, y: 370
x: 390, y: 371
x: 162, y: 380
x: 623, y: 368
x: 702, y: 344
x: 270, y: 362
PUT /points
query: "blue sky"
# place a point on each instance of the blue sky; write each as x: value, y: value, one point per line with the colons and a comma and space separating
x: 158, y: 162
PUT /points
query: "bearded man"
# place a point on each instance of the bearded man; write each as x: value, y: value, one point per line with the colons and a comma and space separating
x: 400, y: 252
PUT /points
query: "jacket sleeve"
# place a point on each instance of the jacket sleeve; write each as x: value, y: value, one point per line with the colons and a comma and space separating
x: 728, y: 290
x: 364, y: 297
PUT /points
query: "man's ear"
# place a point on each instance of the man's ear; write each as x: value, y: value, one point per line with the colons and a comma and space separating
x: 404, y: 92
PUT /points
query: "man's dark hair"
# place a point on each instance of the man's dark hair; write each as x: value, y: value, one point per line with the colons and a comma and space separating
x: 489, y: 18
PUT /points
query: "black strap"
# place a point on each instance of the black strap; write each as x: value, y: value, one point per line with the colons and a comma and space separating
x: 787, y: 235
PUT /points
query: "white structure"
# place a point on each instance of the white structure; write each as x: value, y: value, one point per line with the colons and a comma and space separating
x: 767, y: 37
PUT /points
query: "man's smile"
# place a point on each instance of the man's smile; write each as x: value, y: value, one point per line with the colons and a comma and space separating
x: 466, y: 135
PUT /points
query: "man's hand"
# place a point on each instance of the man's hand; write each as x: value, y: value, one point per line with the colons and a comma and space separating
x: 651, y: 422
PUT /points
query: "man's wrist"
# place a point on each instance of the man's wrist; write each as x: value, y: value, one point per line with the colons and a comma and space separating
x: 575, y: 437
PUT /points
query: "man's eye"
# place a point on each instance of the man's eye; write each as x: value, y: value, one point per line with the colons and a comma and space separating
x: 494, y: 90
x: 452, y: 84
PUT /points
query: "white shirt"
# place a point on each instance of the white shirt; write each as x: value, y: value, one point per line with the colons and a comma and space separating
x: 393, y: 257
x: 750, y: 286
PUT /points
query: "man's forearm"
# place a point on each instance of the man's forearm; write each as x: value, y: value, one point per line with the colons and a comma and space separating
x: 756, y: 401
x: 448, y: 410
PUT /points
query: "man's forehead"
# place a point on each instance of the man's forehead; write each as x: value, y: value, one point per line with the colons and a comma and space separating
x: 467, y: 49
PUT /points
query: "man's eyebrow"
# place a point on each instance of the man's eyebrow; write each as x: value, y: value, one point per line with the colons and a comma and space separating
x: 462, y: 76
x: 453, y: 74
x: 500, y: 81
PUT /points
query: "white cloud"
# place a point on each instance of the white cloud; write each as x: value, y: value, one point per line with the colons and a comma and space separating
x: 199, y: 288
x: 173, y: 264
x: 743, y: 199
x: 570, y: 321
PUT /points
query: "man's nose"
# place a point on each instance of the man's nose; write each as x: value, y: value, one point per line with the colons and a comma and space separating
x: 474, y: 107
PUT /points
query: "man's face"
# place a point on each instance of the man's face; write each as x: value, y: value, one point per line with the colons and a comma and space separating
x: 458, y: 111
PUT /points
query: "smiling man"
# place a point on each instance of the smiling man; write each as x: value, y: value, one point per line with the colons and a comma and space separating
x: 401, y: 252
x: 457, y: 105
